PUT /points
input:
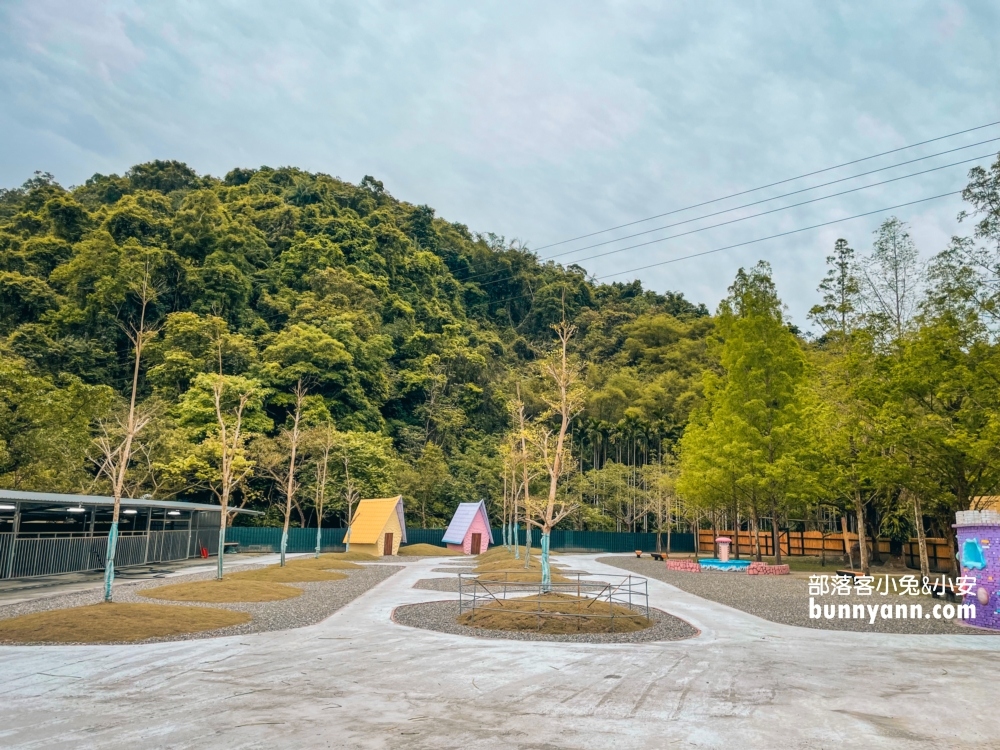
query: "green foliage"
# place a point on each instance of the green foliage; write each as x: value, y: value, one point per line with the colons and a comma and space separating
x: 403, y: 327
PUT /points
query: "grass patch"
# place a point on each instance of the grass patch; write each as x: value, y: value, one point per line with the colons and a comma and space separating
x: 351, y: 556
x: 109, y: 623
x: 500, y: 552
x: 288, y: 574
x: 519, y: 575
x: 556, y: 614
x: 228, y: 590
x: 323, y: 562
x: 427, y: 550
x: 509, y: 564
x: 498, y: 564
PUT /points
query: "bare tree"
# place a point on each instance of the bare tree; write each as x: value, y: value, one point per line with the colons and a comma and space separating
x: 117, y: 442
x: 324, y: 440
x: 351, y: 496
x: 234, y: 467
x: 278, y: 458
x: 564, y: 401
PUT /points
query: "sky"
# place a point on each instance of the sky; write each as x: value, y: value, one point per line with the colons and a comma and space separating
x: 538, y: 121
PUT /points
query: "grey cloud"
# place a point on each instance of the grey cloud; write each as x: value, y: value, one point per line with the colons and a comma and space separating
x: 535, y: 120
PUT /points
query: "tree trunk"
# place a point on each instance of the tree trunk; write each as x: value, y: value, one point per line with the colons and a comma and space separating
x: 949, y: 533
x: 775, y: 538
x: 736, y: 532
x: 859, y: 509
x: 918, y: 522
x: 546, y: 573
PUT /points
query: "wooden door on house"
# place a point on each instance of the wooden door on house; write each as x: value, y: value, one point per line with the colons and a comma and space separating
x: 387, y: 548
x: 477, y: 543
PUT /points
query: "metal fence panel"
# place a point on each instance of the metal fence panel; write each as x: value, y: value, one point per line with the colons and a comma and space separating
x: 5, y: 541
x: 430, y: 536
x: 130, y: 550
x: 166, y: 546
x: 41, y: 557
x: 268, y: 539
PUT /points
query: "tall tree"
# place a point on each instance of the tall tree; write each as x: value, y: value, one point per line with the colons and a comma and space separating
x: 117, y: 441
x: 758, y: 409
x: 563, y: 395
x: 220, y: 413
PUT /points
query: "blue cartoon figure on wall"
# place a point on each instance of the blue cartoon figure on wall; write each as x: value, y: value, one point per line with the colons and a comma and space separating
x: 972, y: 555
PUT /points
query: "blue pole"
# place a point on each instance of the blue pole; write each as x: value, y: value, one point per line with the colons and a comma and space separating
x: 109, y: 561
x: 546, y: 574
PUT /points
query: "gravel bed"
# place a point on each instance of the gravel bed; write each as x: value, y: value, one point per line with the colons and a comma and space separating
x: 319, y: 600
x: 438, y: 584
x: 441, y: 616
x: 785, y: 599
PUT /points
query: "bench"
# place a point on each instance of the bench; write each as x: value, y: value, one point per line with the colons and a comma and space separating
x: 231, y: 548
x: 658, y: 556
x: 948, y: 589
x: 850, y: 573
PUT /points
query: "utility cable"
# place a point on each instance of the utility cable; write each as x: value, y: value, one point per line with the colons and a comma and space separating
x: 780, y: 234
x: 776, y: 197
x: 762, y: 213
x: 750, y: 242
x: 771, y: 184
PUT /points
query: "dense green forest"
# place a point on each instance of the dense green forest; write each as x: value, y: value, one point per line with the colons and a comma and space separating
x: 393, y: 352
x: 404, y: 330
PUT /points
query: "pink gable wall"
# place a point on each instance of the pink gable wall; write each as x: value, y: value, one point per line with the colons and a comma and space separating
x: 478, y: 526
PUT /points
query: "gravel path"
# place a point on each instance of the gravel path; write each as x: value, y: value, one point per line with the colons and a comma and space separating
x: 319, y: 600
x: 785, y: 599
x: 441, y: 616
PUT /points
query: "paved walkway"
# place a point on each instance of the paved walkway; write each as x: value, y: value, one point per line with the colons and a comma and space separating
x: 358, y: 680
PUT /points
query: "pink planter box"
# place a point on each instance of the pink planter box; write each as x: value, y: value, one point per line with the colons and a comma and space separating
x: 689, y: 566
x: 763, y: 569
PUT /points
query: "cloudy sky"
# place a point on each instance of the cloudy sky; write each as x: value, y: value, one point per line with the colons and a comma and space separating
x: 539, y: 121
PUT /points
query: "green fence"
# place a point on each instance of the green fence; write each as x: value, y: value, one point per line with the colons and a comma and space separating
x: 268, y: 539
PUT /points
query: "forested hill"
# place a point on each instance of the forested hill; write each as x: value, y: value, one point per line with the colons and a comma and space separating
x: 405, y: 328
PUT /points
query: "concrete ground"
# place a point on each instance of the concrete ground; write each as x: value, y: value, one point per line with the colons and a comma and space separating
x: 358, y: 680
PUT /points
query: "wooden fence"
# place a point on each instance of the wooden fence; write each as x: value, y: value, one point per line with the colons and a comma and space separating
x: 813, y: 543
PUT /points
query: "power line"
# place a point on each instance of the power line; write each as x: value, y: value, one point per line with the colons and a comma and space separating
x: 762, y: 213
x: 754, y: 241
x: 780, y: 234
x: 772, y: 184
x: 474, y: 276
x: 776, y: 197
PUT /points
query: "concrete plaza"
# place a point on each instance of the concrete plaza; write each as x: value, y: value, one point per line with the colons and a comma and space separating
x: 358, y: 680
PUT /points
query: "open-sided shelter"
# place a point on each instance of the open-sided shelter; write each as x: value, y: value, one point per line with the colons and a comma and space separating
x: 48, y: 533
x: 378, y: 527
x: 469, y: 531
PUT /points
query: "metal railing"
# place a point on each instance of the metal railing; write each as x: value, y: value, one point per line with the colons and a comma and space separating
x: 26, y: 557
x: 41, y: 557
x: 628, y: 592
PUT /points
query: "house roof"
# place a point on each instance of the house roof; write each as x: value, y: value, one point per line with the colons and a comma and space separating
x: 371, y: 517
x: 465, y: 514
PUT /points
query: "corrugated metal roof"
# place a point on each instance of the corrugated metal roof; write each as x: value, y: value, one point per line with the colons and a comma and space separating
x: 465, y: 514
x: 371, y: 517
x: 60, y: 498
